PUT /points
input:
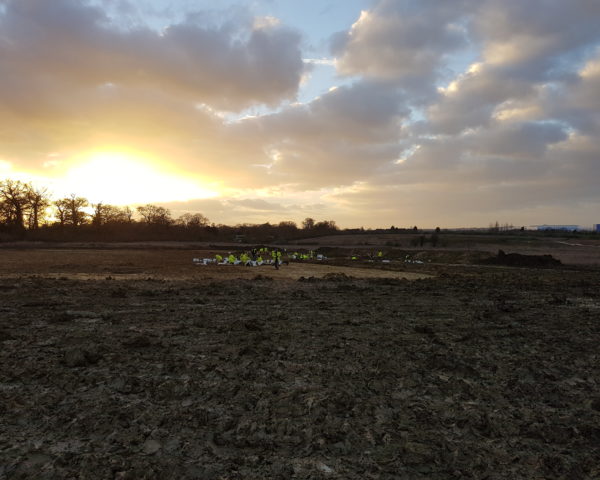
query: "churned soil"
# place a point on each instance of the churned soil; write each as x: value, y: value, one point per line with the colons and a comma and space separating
x: 115, y: 367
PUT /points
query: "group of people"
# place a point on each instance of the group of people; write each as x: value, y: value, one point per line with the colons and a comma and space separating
x: 371, y: 256
x: 276, y: 257
x: 252, y: 258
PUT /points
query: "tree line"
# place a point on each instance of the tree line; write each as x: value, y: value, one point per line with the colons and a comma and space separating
x: 28, y: 212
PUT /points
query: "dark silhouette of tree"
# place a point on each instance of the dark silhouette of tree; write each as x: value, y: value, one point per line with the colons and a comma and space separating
x: 325, y: 227
x: 15, y: 199
x: 287, y: 229
x: 308, y: 223
x: 5, y: 213
x: 23, y: 214
x: 70, y: 210
x: 127, y: 214
x: 98, y: 215
x: 155, y: 215
x: 192, y: 220
x: 39, y: 201
x: 61, y: 211
x: 494, y: 227
x: 105, y: 214
x: 288, y: 224
x: 114, y: 214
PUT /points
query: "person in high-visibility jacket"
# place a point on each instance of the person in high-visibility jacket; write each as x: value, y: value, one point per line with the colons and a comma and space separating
x: 218, y: 258
x: 379, y: 254
x: 231, y: 259
x: 276, y: 254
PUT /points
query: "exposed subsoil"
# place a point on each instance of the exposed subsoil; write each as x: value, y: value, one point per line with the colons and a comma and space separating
x: 480, y: 372
x: 519, y: 260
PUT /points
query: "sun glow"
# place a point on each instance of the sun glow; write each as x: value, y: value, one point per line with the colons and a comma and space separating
x: 123, y: 179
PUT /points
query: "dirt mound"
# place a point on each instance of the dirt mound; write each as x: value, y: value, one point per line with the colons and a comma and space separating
x: 337, y: 277
x: 519, y: 260
x: 262, y: 278
x: 328, y: 277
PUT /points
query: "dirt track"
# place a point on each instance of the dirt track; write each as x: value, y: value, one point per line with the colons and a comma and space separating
x: 187, y: 372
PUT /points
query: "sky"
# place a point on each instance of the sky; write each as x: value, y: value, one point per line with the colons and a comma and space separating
x: 372, y: 113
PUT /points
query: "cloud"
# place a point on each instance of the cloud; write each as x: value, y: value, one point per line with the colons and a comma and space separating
x: 71, y: 80
x: 232, y: 210
x: 443, y: 109
x: 342, y: 136
x: 516, y: 140
x: 577, y: 102
x: 533, y: 37
x: 472, y: 98
x: 227, y: 66
x: 517, y: 131
x: 403, y: 41
x: 524, y: 46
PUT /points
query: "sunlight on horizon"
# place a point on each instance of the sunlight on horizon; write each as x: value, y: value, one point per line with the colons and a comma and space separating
x: 122, y: 179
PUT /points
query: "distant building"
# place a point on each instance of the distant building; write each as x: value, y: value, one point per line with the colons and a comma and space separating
x: 564, y: 228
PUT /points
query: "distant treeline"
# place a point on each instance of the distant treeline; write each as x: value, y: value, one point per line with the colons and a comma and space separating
x: 29, y: 213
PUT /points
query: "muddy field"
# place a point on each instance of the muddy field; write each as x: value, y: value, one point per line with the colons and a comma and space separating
x: 570, y: 250
x: 136, y: 364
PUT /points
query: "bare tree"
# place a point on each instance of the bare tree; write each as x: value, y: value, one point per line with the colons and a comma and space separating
x: 308, y: 223
x: 98, y: 217
x: 192, y: 220
x: 114, y: 214
x: 127, y: 214
x: 326, y: 226
x: 287, y: 228
x: 288, y: 224
x: 39, y: 201
x: 13, y: 193
x: 105, y: 214
x: 61, y: 210
x: 154, y: 215
x: 5, y: 213
x: 70, y: 210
